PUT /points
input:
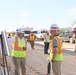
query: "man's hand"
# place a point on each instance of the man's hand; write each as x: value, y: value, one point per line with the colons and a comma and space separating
x: 48, y: 52
x: 52, y: 60
x: 24, y: 48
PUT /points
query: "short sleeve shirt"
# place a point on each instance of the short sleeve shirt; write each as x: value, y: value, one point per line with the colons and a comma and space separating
x: 22, y: 41
x: 55, y: 43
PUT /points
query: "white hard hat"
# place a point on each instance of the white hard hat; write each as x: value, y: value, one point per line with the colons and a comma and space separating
x: 20, y: 30
x: 54, y: 27
x: 74, y: 28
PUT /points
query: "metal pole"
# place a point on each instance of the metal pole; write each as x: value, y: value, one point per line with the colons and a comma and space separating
x: 6, y: 65
x: 3, y: 54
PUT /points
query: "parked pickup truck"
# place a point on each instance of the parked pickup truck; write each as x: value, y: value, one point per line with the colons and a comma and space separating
x: 39, y: 34
x: 67, y: 36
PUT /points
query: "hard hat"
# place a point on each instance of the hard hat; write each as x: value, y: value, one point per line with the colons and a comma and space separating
x: 20, y: 30
x: 54, y: 27
x: 74, y: 28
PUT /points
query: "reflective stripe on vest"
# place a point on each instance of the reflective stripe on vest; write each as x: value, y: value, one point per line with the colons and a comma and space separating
x: 19, y: 53
x: 75, y: 41
x: 32, y: 37
x: 75, y: 44
x: 59, y: 55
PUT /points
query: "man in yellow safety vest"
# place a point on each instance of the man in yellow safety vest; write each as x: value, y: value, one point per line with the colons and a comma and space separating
x: 74, y: 32
x: 55, y: 47
x: 19, y: 52
x: 46, y: 42
x: 32, y: 39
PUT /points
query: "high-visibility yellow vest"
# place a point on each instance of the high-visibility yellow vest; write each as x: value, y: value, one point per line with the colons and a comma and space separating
x: 19, y: 53
x: 45, y: 38
x: 32, y: 37
x: 59, y: 55
x: 75, y: 43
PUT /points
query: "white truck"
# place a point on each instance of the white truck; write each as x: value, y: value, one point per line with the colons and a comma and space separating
x: 27, y: 31
x: 40, y: 34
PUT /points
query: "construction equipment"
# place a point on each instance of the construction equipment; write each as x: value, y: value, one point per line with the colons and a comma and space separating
x: 5, y: 52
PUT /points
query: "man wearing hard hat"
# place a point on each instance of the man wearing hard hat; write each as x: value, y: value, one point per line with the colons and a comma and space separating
x: 19, y: 52
x: 46, y: 42
x: 32, y: 39
x: 55, y: 47
x: 74, y: 32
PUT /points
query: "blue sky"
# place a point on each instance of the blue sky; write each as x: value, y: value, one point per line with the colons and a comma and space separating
x: 39, y: 14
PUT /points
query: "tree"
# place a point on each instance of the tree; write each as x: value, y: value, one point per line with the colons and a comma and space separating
x: 64, y: 29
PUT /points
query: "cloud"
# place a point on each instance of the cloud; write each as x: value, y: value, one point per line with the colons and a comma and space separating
x: 22, y: 13
x: 71, y: 11
x: 24, y: 0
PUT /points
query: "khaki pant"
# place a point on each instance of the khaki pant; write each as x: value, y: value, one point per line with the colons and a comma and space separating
x: 56, y: 67
x: 19, y: 64
x: 32, y: 44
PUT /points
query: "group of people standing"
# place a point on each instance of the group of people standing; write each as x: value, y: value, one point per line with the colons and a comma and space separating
x: 53, y: 47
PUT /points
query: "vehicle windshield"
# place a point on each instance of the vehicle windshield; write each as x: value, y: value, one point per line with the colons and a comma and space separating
x: 35, y: 32
x: 68, y: 31
x: 27, y: 32
x: 43, y: 31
